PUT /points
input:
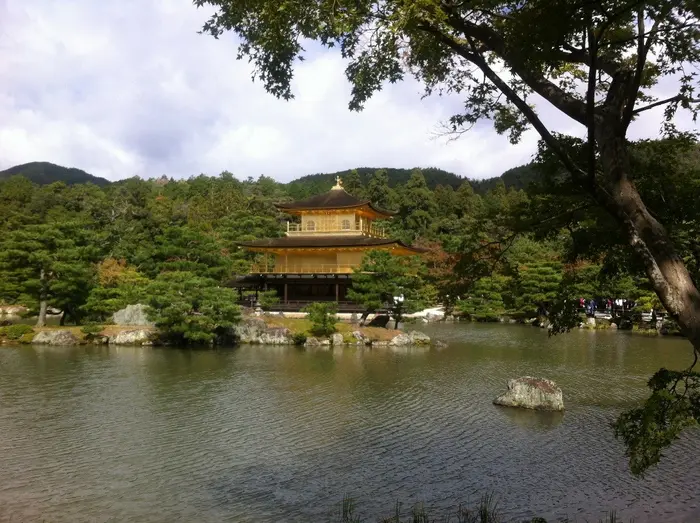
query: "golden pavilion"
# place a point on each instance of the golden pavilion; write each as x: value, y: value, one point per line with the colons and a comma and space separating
x: 315, y: 260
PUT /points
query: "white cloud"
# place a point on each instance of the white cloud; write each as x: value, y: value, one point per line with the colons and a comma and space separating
x: 129, y: 87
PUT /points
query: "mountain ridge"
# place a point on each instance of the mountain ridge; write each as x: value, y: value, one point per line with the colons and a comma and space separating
x: 44, y: 173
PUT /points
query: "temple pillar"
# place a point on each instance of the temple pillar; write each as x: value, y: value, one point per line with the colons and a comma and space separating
x: 337, y: 292
x: 285, y: 293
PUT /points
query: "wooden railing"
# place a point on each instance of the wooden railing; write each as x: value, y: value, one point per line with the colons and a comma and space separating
x: 331, y: 268
x: 296, y: 229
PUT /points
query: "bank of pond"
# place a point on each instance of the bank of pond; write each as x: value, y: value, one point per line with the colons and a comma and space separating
x: 259, y: 330
x: 281, y: 329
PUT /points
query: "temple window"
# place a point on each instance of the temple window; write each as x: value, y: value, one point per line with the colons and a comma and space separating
x: 310, y: 225
x: 345, y: 225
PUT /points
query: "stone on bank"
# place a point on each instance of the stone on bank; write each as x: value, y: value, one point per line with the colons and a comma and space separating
x: 55, y: 337
x: 133, y: 337
x: 256, y: 331
x: 132, y: 315
x: 532, y: 393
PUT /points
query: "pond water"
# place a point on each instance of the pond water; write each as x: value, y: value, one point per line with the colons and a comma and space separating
x: 279, y: 434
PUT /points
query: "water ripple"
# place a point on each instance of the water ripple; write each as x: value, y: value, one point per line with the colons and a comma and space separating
x: 270, y: 434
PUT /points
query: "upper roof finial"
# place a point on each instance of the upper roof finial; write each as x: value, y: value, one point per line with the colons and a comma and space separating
x: 338, y: 184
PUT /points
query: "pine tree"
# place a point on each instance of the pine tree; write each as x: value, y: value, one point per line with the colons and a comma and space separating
x: 417, y: 207
x: 379, y: 192
x: 48, y: 265
x: 468, y: 204
x: 485, y: 300
x: 353, y: 184
x: 446, y: 200
x: 188, y: 308
x: 385, y: 280
x: 538, y: 286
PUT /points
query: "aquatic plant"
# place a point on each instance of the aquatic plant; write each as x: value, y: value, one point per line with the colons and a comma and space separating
x: 485, y: 511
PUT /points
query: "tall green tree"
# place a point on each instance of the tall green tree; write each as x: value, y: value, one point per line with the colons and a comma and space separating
x: 417, y: 207
x: 352, y: 183
x: 382, y: 280
x: 182, y: 248
x: 484, y: 302
x: 48, y: 265
x: 468, y: 204
x: 189, y: 308
x: 378, y: 190
x: 118, y: 285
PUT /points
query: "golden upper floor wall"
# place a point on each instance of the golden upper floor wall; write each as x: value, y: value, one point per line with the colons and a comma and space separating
x: 331, y: 223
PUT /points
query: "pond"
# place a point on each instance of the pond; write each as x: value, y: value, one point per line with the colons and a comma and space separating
x: 279, y: 434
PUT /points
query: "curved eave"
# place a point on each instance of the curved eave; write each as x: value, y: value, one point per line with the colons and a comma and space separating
x: 367, y: 206
x: 395, y: 246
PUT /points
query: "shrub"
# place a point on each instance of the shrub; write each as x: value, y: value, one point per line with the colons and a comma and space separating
x: 268, y: 299
x: 27, y: 338
x: 299, y: 338
x: 322, y: 317
x: 15, y: 332
x: 91, y: 330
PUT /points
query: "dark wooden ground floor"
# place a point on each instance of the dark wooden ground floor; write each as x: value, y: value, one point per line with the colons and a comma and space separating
x: 297, y: 291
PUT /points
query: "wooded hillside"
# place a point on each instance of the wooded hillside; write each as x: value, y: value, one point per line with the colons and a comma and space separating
x: 43, y: 173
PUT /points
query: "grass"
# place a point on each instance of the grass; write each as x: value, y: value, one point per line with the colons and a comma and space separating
x: 303, y: 326
x: 485, y: 511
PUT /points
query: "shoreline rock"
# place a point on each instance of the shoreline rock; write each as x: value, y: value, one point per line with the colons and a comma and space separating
x: 532, y: 393
x: 255, y: 331
x: 132, y: 337
x: 55, y: 337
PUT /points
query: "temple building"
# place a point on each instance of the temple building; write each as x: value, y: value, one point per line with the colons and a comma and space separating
x: 316, y: 258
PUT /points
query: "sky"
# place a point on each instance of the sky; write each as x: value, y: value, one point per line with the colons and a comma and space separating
x: 120, y: 88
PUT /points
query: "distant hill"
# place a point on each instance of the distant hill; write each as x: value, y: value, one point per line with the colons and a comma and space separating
x: 44, y: 173
x: 315, y: 183
x: 517, y: 177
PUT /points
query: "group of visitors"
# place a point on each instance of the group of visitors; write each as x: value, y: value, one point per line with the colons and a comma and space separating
x: 609, y: 305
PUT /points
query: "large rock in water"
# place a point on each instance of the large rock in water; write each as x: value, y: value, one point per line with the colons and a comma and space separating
x: 419, y: 338
x: 322, y: 343
x: 132, y: 315
x: 400, y: 340
x: 411, y: 338
x: 532, y: 393
x: 55, y: 337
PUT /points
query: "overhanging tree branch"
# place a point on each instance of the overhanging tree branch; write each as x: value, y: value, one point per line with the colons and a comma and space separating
x: 568, y: 104
x: 676, y: 98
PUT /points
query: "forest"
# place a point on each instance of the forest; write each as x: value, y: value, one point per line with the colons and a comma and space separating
x: 518, y: 252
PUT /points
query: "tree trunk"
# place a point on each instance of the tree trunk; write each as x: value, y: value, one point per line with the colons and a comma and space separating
x: 43, y: 303
x: 364, y: 317
x: 41, y: 320
x: 649, y: 239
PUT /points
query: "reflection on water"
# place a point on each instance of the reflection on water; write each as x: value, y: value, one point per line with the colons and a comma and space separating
x: 536, y: 420
x: 278, y: 434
